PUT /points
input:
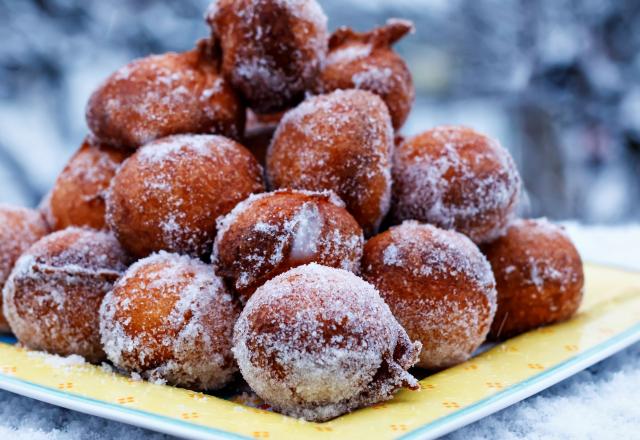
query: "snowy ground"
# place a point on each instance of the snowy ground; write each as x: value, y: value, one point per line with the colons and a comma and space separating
x: 598, y: 403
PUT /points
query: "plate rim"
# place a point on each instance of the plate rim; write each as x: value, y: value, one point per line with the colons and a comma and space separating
x: 474, y: 412
x: 527, y: 388
x: 111, y: 411
x: 438, y: 427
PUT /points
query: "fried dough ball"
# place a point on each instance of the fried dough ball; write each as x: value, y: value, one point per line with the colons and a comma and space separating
x: 161, y: 95
x: 168, y: 195
x: 272, y: 50
x: 19, y: 229
x: 170, y: 319
x: 456, y: 178
x: 366, y: 61
x: 539, y: 277
x: 52, y: 296
x: 438, y: 286
x: 341, y: 142
x: 77, y: 198
x: 270, y: 233
x: 317, y: 342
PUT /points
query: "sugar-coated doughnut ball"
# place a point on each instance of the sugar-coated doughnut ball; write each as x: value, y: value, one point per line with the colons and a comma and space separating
x: 367, y: 61
x: 270, y: 233
x: 19, y: 229
x: 168, y: 195
x: 317, y: 342
x: 439, y: 287
x: 272, y: 50
x: 539, y: 277
x: 341, y: 142
x: 170, y: 319
x: 53, y: 294
x: 166, y: 94
x: 77, y: 198
x: 456, y: 178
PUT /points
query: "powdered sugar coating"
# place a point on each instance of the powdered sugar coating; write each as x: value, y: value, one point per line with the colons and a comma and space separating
x: 539, y: 275
x: 366, y: 61
x: 168, y: 195
x: 200, y: 146
x: 543, y: 269
x: 349, y: 53
x: 267, y: 234
x: 63, y: 363
x: 342, y: 141
x: 272, y: 49
x: 170, y: 319
x: 317, y: 342
x: 161, y: 95
x: 439, y: 287
x: 77, y: 198
x: 19, y: 229
x: 52, y: 296
x: 456, y: 178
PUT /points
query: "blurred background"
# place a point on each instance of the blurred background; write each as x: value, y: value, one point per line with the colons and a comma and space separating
x: 557, y: 81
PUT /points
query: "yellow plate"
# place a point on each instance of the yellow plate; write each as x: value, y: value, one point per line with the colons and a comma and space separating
x: 608, y: 321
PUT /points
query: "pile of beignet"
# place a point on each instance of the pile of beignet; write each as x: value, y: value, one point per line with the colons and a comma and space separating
x: 166, y: 248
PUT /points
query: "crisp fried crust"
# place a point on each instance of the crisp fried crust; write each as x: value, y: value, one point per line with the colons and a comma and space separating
x: 539, y: 275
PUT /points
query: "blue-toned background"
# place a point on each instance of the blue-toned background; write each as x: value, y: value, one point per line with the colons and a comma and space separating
x: 558, y: 81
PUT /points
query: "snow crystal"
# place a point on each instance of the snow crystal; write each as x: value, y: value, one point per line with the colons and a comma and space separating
x: 597, y: 403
